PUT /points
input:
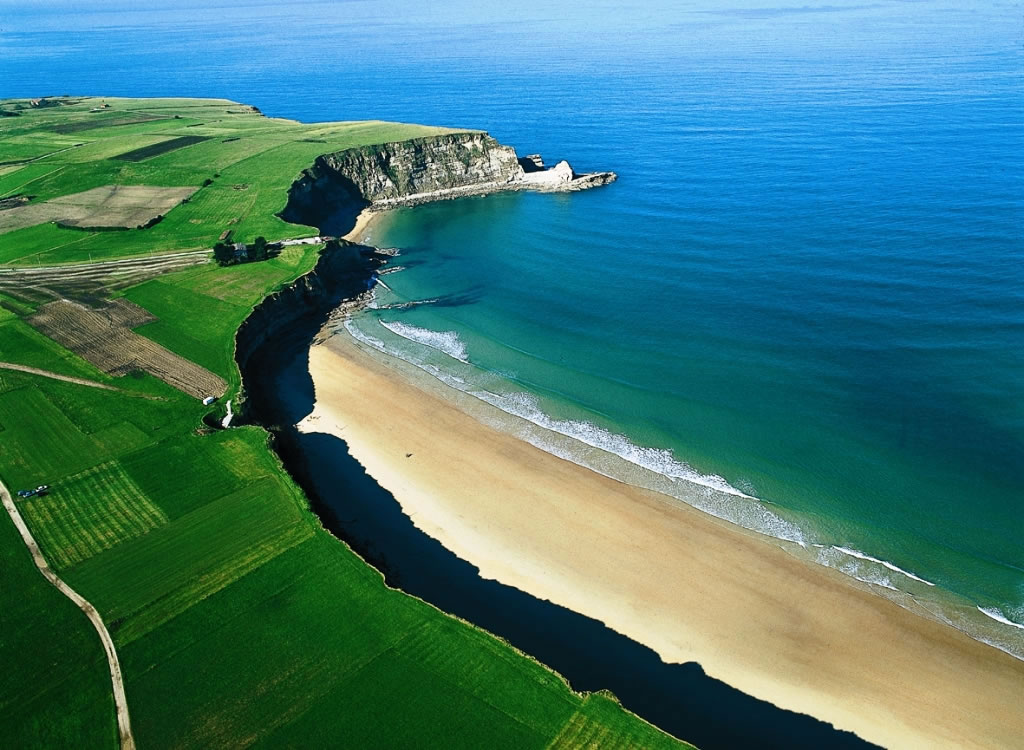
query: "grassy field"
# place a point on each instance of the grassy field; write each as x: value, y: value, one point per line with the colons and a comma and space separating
x: 54, y: 687
x: 238, y: 620
x: 242, y: 148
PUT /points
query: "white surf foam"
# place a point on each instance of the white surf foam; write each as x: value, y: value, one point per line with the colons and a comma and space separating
x: 366, y: 338
x: 658, y: 460
x: 998, y: 616
x: 718, y: 498
x: 886, y: 563
x: 707, y: 492
x: 447, y: 342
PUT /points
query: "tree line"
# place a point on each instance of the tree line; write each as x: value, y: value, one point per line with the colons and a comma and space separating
x: 232, y: 253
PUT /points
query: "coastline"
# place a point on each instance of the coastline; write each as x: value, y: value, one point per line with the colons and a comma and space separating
x: 689, y: 586
x: 364, y: 221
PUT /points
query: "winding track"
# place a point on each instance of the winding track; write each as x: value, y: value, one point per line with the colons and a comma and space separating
x: 124, y: 727
x: 126, y: 269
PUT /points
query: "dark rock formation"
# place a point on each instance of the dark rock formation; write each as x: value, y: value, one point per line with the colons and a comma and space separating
x: 531, y: 162
x: 342, y: 273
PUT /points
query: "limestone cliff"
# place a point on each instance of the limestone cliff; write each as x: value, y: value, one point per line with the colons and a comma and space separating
x: 420, y: 170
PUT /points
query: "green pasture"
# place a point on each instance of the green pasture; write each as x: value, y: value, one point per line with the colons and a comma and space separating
x: 54, y: 685
x: 249, y: 161
x: 199, y: 309
x: 238, y: 620
x: 94, y: 510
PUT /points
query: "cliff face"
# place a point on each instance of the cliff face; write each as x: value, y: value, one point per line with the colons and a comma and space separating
x: 398, y: 170
x: 339, y: 185
x: 342, y: 271
x: 420, y: 170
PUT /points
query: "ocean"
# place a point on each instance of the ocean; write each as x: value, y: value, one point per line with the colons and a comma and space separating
x: 800, y: 307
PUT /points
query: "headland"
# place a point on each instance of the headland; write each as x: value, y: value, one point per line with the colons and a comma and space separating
x: 236, y: 618
x: 690, y: 587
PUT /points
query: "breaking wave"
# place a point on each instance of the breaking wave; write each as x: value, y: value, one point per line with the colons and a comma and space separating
x: 603, y: 451
x: 998, y: 616
x: 443, y: 341
x: 895, y: 568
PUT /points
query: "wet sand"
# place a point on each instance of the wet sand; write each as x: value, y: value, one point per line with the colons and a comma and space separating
x: 691, y: 587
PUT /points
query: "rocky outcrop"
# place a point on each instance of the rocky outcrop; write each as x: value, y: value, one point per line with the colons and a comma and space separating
x: 531, y: 162
x: 420, y: 170
x: 383, y: 176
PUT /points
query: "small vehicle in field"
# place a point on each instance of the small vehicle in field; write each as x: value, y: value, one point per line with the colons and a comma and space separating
x: 42, y: 489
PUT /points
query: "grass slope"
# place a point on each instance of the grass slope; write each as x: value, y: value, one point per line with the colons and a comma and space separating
x: 239, y: 621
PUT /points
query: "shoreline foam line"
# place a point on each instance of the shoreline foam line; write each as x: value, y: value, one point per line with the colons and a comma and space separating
x: 446, y: 342
x: 690, y: 587
x: 998, y: 616
x: 766, y: 523
x: 659, y: 460
x: 895, y: 568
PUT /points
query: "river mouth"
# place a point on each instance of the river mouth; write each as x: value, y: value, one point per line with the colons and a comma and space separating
x: 679, y: 698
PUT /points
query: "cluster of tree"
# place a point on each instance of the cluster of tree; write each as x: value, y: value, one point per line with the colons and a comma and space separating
x: 231, y: 253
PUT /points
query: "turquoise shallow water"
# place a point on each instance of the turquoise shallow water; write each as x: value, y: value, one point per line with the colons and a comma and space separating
x: 805, y: 293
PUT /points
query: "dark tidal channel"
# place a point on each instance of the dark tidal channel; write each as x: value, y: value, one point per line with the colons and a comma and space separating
x: 679, y: 698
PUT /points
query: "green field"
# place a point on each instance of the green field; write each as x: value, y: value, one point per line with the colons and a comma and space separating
x: 96, y: 509
x: 238, y: 620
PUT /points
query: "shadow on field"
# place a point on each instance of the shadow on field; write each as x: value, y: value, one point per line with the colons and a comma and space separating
x: 679, y: 698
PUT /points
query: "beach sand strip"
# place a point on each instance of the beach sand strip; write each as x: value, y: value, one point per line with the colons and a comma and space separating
x: 689, y: 586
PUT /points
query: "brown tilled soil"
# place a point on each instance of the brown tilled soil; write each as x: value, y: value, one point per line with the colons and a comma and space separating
x: 126, y: 314
x: 104, y: 337
x: 109, y: 206
x: 91, y: 282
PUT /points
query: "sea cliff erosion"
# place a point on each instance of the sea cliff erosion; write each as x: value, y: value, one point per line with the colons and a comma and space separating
x: 340, y: 185
x: 447, y: 473
x: 273, y: 350
x: 342, y: 271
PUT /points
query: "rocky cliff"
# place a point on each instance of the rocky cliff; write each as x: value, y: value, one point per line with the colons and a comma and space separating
x: 339, y: 185
x: 420, y: 170
x: 342, y: 272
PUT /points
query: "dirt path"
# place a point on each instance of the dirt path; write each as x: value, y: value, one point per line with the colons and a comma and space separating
x: 55, y: 376
x: 124, y: 727
x: 76, y: 381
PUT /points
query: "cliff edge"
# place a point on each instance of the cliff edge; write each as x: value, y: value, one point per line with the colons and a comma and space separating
x: 419, y: 170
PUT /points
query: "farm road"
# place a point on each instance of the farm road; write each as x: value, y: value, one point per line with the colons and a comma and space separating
x: 123, y: 724
x: 55, y: 376
x: 69, y: 379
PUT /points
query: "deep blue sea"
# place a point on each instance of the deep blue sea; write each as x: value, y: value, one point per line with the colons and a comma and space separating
x: 800, y: 308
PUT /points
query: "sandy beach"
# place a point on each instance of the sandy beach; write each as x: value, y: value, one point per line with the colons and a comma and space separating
x: 688, y: 586
x: 363, y: 222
